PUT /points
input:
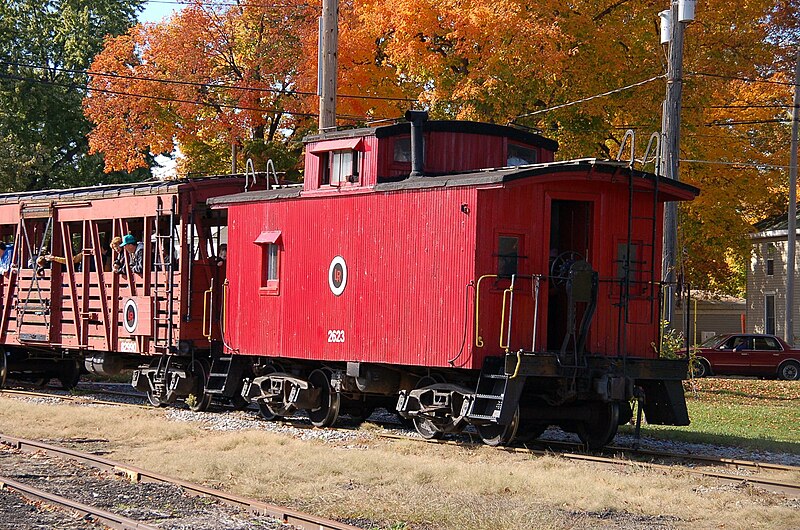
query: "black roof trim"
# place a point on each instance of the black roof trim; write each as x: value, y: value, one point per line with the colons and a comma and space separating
x: 256, y: 196
x: 108, y: 190
x: 502, y: 175
x: 467, y: 127
x: 475, y: 178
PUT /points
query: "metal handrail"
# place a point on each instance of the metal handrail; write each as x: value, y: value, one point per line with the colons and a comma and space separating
x: 250, y: 170
x: 630, y: 133
x: 508, y: 294
x: 478, y: 338
x: 508, y: 301
x: 208, y: 308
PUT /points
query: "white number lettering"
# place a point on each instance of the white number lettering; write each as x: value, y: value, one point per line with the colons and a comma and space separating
x: 335, y: 335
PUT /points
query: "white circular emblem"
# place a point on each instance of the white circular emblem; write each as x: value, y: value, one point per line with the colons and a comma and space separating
x: 337, y: 275
x: 130, y: 316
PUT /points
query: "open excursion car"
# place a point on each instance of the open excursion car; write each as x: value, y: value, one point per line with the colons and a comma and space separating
x: 748, y: 354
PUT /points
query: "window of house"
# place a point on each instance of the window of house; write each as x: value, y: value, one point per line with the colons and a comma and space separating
x: 507, y: 255
x: 770, y: 259
x: 270, y: 243
x: 520, y: 155
x: 769, y: 314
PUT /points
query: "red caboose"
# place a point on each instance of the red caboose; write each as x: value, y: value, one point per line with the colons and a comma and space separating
x: 404, y: 273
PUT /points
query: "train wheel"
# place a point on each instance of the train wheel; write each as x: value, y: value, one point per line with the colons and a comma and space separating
x: 495, y: 435
x: 529, y: 431
x: 330, y: 401
x: 69, y: 375
x: 266, y: 414
x: 3, y: 368
x: 201, y: 400
x: 424, y: 426
x: 238, y: 402
x: 598, y: 432
x: 263, y: 409
x: 154, y: 400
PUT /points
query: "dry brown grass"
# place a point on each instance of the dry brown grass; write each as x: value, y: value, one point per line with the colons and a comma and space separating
x: 403, y: 482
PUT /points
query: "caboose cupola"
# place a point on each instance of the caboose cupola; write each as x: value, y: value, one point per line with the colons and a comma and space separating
x: 357, y: 159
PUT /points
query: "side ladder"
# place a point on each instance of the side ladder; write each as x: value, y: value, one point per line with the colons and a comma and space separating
x: 164, y: 280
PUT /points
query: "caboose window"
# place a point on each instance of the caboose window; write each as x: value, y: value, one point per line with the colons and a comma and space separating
x: 269, y: 241
x: 520, y: 155
x: 402, y: 150
x: 507, y: 255
x: 271, y: 264
x: 340, y: 167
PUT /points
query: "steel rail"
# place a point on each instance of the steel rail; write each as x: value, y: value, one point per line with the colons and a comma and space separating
x: 85, y: 511
x: 299, y: 424
x: 715, y: 460
x: 137, y: 474
x: 779, y: 486
x: 62, y: 397
x: 707, y: 459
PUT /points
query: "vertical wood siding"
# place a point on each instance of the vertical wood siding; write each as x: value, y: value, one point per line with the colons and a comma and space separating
x: 409, y: 259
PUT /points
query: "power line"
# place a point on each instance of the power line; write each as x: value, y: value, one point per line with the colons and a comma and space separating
x: 745, y: 106
x: 197, y: 84
x: 744, y: 122
x: 743, y: 78
x: 584, y: 100
x: 225, y: 4
x: 175, y: 100
x: 739, y: 165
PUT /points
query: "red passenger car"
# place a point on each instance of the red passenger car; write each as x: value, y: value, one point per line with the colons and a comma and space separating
x: 404, y: 273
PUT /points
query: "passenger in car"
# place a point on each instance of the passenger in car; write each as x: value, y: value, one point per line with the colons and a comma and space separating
x: 135, y: 252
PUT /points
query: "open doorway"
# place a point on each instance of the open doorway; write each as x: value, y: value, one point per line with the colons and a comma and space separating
x: 570, y: 240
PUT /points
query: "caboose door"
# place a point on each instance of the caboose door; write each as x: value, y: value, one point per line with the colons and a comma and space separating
x: 34, y: 283
x: 570, y: 241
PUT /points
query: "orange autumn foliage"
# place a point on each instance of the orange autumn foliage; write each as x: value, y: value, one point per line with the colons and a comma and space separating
x: 497, y: 61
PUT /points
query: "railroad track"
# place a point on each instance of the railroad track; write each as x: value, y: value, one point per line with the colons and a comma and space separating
x: 135, y: 474
x: 568, y: 450
x: 76, y: 399
x: 787, y: 487
x: 83, y: 511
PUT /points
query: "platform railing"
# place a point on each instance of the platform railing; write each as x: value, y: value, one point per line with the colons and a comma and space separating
x: 507, y: 310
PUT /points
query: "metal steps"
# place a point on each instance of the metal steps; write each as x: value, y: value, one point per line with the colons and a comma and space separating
x: 497, y: 395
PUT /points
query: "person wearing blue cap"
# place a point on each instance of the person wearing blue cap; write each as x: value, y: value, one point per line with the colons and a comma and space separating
x: 135, y: 252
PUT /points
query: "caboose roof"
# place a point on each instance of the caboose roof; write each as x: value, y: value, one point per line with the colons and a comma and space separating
x: 452, y: 126
x: 670, y: 190
x: 155, y: 187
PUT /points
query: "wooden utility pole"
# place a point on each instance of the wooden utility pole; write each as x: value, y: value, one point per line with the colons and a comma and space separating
x: 328, y: 41
x: 788, y: 332
x: 671, y: 154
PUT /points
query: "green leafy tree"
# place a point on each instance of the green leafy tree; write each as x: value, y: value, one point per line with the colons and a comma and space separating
x: 44, y: 46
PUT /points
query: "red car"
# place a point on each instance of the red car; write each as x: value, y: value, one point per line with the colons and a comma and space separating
x: 748, y: 354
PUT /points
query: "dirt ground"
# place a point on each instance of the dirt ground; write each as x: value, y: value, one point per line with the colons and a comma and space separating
x: 403, y: 485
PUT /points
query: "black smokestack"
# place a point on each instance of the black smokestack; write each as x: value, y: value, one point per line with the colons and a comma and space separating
x: 417, y: 118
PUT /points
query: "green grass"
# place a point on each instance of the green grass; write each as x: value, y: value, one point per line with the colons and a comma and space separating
x: 747, y: 413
